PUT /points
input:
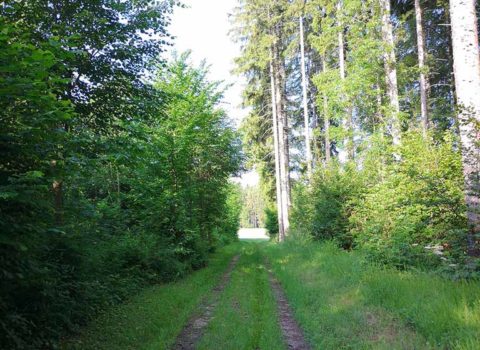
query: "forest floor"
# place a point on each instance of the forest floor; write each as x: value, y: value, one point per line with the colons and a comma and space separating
x: 260, y: 295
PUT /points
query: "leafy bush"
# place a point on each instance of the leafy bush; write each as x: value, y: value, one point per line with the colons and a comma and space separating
x: 404, y: 210
x: 271, y: 221
x: 412, y: 216
x: 323, y: 209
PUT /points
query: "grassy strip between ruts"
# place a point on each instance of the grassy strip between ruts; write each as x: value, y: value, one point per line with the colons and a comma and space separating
x: 152, y: 319
x: 245, y: 317
x: 343, y: 301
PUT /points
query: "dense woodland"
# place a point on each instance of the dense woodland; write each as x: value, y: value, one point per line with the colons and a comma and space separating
x: 114, y: 163
x: 368, y: 115
x: 363, y: 123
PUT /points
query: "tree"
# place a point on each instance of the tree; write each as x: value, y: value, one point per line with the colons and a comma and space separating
x: 467, y: 81
x: 390, y: 62
x: 349, y: 140
x: 278, y: 61
x: 263, y: 61
x: 276, y: 150
x: 421, y: 65
x: 108, y: 182
x: 308, y: 150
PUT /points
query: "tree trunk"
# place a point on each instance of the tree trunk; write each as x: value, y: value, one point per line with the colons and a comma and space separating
x: 450, y: 63
x: 390, y: 72
x: 308, y: 150
x: 279, y: 74
x: 326, y: 119
x: 349, y: 142
x: 467, y: 81
x: 421, y: 66
x: 281, y: 231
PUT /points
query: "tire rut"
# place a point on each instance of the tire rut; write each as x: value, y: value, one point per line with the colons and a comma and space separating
x: 292, y: 333
x: 194, y: 329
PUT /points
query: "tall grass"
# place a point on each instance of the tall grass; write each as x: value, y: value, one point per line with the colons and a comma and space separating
x: 343, y: 301
x: 153, y: 318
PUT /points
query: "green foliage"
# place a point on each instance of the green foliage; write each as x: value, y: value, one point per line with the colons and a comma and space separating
x: 323, y: 209
x: 417, y: 209
x: 336, y: 187
x: 405, y: 212
x: 253, y: 207
x: 107, y: 183
x: 271, y: 221
x: 229, y: 219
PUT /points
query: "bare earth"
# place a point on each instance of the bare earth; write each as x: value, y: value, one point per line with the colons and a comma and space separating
x: 292, y: 333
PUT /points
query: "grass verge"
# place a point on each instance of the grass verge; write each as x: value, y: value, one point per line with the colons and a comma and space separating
x: 343, y: 301
x: 245, y: 317
x: 152, y: 319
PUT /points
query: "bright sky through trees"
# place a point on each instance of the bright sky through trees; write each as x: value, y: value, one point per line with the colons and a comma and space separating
x: 203, y: 27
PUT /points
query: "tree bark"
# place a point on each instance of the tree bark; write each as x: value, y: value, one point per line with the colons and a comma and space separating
x: 467, y: 81
x: 279, y: 74
x: 308, y: 149
x: 349, y: 142
x: 326, y: 119
x: 421, y: 66
x: 281, y: 231
x: 390, y: 71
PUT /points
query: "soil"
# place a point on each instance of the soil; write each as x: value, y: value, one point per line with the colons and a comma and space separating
x: 292, y: 333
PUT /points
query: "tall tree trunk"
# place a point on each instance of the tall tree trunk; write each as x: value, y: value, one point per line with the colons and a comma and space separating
x: 450, y: 63
x: 308, y: 149
x: 467, y: 81
x: 281, y: 111
x: 326, y: 118
x: 349, y: 142
x: 283, y: 148
x: 421, y: 66
x: 390, y: 71
x: 281, y: 231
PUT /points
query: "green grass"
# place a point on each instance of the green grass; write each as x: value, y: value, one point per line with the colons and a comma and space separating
x: 245, y: 317
x: 342, y: 301
x: 152, y: 319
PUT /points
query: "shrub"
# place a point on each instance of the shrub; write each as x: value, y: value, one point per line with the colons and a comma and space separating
x: 271, y: 221
x: 412, y: 216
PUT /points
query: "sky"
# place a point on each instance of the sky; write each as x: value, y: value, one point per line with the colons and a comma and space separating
x: 203, y: 27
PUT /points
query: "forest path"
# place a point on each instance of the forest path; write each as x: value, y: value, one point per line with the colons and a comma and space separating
x: 307, y: 297
x: 194, y: 329
x: 292, y: 333
x: 253, y: 312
